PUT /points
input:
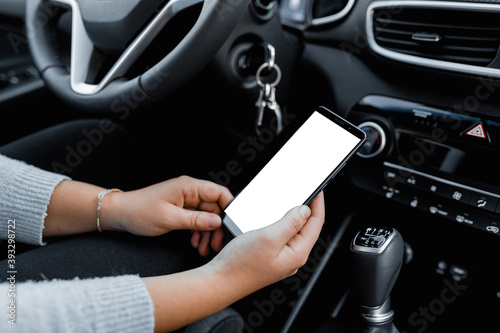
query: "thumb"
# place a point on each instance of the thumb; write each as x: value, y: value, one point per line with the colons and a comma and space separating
x: 196, y: 220
x: 291, y: 224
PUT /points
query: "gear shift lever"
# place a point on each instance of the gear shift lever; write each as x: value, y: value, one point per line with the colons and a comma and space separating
x: 377, y: 258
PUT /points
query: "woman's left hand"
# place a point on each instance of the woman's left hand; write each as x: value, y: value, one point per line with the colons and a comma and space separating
x: 179, y: 203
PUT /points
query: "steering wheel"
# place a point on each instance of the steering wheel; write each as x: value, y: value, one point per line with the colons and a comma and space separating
x: 122, y: 30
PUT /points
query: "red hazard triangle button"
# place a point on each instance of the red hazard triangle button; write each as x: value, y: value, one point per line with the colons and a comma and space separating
x: 477, y: 131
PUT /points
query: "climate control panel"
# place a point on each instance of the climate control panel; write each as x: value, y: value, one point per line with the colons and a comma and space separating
x: 431, y: 160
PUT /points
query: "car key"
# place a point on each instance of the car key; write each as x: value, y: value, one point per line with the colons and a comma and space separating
x: 267, y: 94
x: 267, y: 99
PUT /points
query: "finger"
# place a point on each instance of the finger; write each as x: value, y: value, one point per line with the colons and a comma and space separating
x: 204, y: 246
x: 195, y: 239
x: 310, y: 231
x: 217, y: 239
x: 299, y: 246
x: 301, y: 231
x: 196, y: 191
x: 318, y: 206
x: 193, y: 220
x: 291, y: 224
x: 211, y: 207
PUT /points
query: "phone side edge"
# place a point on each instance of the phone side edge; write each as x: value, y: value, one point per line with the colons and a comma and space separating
x: 231, y: 226
x: 361, y: 135
x: 344, y: 123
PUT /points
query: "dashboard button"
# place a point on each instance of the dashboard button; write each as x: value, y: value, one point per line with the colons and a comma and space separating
x: 483, y: 201
x: 415, y: 181
x: 458, y: 273
x: 391, y: 193
x: 434, y: 186
x: 477, y: 131
x: 457, y: 194
x: 467, y: 218
x: 392, y: 178
x: 375, y: 140
x: 439, y: 209
x: 413, y: 201
x: 490, y: 225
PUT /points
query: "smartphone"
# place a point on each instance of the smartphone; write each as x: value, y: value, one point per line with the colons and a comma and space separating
x: 296, y: 173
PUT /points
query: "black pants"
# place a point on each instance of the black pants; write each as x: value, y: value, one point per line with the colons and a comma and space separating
x: 100, y: 153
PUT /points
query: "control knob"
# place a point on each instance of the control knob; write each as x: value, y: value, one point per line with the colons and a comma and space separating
x: 375, y: 139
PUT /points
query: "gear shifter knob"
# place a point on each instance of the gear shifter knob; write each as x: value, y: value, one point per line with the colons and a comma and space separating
x: 377, y: 259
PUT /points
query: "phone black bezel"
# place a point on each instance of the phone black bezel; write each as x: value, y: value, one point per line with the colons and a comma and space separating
x: 284, y: 137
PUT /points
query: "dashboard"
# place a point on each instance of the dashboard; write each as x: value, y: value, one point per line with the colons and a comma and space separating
x: 435, y: 160
x: 421, y: 78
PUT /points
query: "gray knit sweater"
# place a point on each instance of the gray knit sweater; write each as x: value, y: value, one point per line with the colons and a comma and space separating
x: 113, y: 304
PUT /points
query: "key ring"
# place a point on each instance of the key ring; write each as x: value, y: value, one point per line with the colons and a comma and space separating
x: 265, y: 66
x: 270, y: 55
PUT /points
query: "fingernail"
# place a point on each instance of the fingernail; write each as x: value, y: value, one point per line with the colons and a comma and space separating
x: 305, y: 211
x: 214, y: 221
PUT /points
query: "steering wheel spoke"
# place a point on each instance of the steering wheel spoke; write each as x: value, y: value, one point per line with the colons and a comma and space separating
x: 86, y: 60
x: 82, y: 50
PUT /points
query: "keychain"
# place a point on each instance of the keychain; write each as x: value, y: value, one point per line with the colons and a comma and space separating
x: 267, y: 94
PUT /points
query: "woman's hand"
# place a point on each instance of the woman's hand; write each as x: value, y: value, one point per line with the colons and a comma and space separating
x: 249, y: 262
x: 179, y: 203
x: 258, y: 258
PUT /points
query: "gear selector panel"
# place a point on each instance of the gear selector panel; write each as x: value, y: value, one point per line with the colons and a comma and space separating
x: 372, y: 240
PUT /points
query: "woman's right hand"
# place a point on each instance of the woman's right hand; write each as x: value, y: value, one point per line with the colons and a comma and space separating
x: 261, y: 257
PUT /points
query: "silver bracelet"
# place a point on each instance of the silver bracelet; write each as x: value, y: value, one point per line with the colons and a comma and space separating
x: 100, y: 197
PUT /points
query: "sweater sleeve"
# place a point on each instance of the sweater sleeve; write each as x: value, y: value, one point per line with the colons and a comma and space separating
x: 25, y: 193
x: 111, y: 304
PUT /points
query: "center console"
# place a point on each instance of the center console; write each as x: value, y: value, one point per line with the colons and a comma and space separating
x: 432, y: 174
x: 438, y: 161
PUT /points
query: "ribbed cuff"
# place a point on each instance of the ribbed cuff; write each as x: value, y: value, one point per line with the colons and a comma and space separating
x: 123, y: 305
x: 25, y: 193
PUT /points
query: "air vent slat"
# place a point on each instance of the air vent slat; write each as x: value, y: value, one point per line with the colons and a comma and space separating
x: 445, y: 42
x: 460, y: 36
x: 451, y: 48
x: 456, y: 54
x: 469, y: 60
x: 457, y: 38
x: 411, y: 24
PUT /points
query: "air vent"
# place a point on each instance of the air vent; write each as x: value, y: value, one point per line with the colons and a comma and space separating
x: 446, y: 35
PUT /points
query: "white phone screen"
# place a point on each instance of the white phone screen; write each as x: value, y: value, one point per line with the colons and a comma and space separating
x: 306, y: 160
